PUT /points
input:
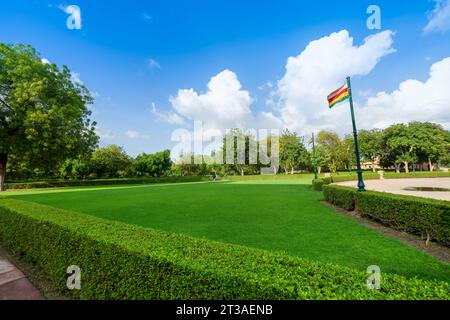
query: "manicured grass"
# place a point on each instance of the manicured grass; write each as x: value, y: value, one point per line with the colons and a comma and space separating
x: 284, y: 217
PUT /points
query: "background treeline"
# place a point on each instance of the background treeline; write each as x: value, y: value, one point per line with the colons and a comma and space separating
x: 401, y: 147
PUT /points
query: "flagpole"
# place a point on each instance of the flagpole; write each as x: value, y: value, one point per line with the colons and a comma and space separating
x: 314, y: 157
x: 361, y: 186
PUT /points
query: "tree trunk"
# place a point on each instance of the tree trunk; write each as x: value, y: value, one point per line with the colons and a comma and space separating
x: 397, y: 168
x: 430, y: 165
x: 406, y: 166
x: 3, y: 160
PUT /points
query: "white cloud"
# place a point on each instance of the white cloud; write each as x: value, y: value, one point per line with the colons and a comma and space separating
x: 224, y: 105
x: 321, y: 68
x: 169, y: 117
x: 439, y: 18
x: 45, y: 61
x: 152, y: 64
x: 136, y: 135
x: 75, y: 77
x: 104, y: 134
x: 412, y: 101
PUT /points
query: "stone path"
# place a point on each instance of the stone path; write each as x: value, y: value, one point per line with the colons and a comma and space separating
x: 398, y: 186
x: 14, y: 285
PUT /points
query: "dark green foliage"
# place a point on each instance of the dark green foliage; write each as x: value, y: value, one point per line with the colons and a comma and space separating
x: 154, y: 165
x: 317, y: 184
x: 425, y: 217
x: 120, y: 261
x: 342, y: 197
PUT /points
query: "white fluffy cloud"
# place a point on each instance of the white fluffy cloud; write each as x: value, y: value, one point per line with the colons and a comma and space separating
x: 439, y: 19
x: 412, y: 101
x: 170, y: 117
x: 322, y: 67
x: 223, y: 106
x: 132, y: 134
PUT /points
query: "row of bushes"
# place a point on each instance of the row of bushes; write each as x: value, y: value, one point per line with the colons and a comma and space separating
x: 102, y: 182
x: 425, y: 217
x: 318, y: 183
x: 121, y: 261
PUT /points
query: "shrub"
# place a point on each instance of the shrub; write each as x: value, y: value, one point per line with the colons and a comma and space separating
x: 317, y: 184
x: 341, y: 197
x: 121, y: 261
x: 424, y: 217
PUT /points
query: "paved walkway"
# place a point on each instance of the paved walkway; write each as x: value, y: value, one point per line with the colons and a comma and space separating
x: 14, y: 285
x: 398, y: 186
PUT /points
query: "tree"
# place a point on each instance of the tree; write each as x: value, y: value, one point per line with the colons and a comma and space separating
x: 400, y: 145
x: 293, y: 153
x: 432, y: 142
x: 111, y: 162
x: 155, y: 165
x: 329, y: 149
x: 371, y: 144
x: 44, y: 117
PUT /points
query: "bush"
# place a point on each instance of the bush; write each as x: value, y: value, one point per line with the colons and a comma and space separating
x: 317, y: 184
x: 121, y: 261
x: 100, y: 182
x: 425, y: 217
x: 420, y: 216
x: 341, y: 197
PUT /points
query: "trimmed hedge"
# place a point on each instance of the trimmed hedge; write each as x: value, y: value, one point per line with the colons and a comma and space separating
x: 341, y: 197
x: 425, y: 217
x: 102, y: 182
x: 121, y: 261
x: 317, y: 184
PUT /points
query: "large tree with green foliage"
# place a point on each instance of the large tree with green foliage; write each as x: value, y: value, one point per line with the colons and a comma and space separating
x: 432, y: 142
x: 371, y: 144
x: 44, y: 117
x: 155, y: 165
x: 329, y: 149
x: 293, y: 154
x: 111, y: 162
x: 400, y: 144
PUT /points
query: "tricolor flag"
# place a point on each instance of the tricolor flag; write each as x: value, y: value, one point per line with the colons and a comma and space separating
x: 338, y: 96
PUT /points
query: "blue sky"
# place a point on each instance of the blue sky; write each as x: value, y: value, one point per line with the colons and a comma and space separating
x: 137, y: 54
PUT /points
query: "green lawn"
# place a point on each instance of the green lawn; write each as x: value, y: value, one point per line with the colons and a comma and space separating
x: 274, y: 215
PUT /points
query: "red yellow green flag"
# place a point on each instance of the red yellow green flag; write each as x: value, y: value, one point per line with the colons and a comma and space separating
x: 338, y: 96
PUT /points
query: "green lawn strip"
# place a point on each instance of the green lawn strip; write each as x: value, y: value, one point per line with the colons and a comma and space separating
x: 276, y: 217
x: 122, y: 261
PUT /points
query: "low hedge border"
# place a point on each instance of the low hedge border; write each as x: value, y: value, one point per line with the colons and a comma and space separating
x: 341, y: 197
x: 121, y: 261
x: 424, y: 217
x: 101, y: 182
